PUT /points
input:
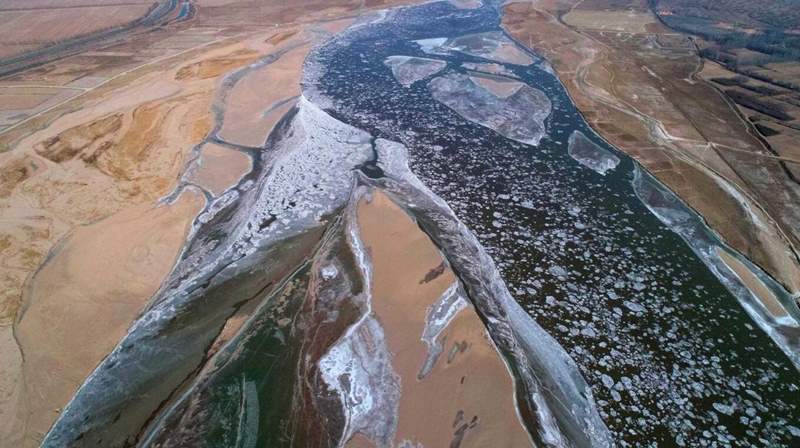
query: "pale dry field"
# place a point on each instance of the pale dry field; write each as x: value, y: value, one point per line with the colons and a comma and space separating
x: 28, y: 27
x: 624, y: 21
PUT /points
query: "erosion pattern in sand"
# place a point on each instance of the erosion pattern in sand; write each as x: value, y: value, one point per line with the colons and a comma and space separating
x: 92, y: 143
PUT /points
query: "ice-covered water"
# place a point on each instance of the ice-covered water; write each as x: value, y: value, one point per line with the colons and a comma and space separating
x: 564, y: 408
x: 408, y: 70
x: 671, y: 356
x: 519, y: 116
x: 590, y: 154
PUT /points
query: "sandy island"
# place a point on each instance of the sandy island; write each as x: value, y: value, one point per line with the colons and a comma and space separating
x: 469, y: 384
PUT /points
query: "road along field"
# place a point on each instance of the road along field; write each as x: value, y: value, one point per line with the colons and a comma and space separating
x: 638, y: 86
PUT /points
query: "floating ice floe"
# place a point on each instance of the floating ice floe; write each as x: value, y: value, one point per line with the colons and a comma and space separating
x: 497, y: 85
x: 489, y: 68
x: 562, y: 403
x: 466, y: 4
x: 433, y: 45
x: 590, y: 154
x: 408, y: 69
x: 519, y: 116
x: 492, y: 45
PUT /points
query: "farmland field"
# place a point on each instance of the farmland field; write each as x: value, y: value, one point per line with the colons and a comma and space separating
x: 37, y: 24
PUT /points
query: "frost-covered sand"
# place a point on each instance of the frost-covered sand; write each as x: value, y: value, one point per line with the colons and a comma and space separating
x: 94, y: 170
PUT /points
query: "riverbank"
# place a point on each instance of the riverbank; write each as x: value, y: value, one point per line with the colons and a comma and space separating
x: 635, y: 83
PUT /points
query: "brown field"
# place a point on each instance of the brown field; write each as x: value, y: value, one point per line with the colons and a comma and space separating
x: 27, y: 26
x: 783, y: 73
x: 781, y: 135
x: 787, y: 68
x: 629, y: 21
x: 648, y: 101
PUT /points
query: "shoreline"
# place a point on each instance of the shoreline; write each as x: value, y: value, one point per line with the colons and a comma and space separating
x: 540, y: 26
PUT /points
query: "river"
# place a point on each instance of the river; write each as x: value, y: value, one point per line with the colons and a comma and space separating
x: 609, y: 263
